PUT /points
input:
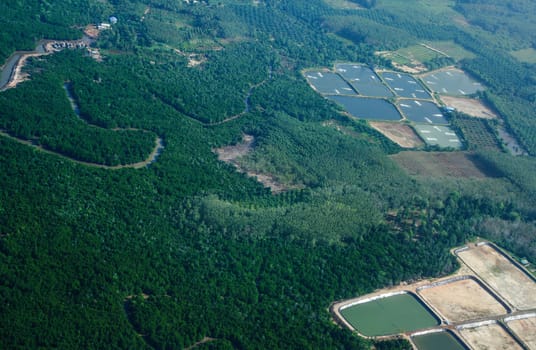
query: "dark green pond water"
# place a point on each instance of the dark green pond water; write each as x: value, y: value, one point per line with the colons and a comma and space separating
x: 391, y: 315
x: 437, y: 341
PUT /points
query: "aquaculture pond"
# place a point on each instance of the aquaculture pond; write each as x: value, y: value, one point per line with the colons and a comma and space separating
x: 363, y: 79
x: 422, y: 112
x: 405, y: 85
x: 438, y: 341
x: 452, y: 82
x: 367, y: 108
x: 435, y: 135
x: 389, y: 315
x: 328, y: 83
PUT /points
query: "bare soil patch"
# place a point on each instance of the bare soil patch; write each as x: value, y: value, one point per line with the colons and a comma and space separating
x: 438, y: 164
x: 492, y: 336
x: 525, y: 329
x: 401, y: 134
x: 232, y: 155
x: 462, y: 300
x: 500, y: 274
x: 469, y: 106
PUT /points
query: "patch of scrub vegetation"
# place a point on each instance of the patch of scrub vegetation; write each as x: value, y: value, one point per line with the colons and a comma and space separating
x: 525, y: 55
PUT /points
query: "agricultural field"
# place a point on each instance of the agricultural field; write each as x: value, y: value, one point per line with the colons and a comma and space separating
x: 500, y: 274
x: 462, y: 300
x: 451, y: 49
x: 418, y: 53
x: 442, y: 136
x: 491, y: 336
x: 469, y: 106
x: 477, y: 133
x: 524, y: 329
x: 440, y: 164
x: 402, y: 134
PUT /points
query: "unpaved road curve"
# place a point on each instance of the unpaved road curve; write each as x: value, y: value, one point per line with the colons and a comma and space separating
x: 159, y: 145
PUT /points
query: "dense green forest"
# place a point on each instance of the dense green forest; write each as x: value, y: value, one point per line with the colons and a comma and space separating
x: 189, y: 251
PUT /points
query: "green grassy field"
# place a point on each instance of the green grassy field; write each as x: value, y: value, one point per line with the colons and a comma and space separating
x: 525, y: 55
x: 452, y: 49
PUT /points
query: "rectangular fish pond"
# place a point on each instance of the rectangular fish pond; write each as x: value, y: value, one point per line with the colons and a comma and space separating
x: 437, y: 341
x: 328, y: 83
x: 389, y: 315
x: 367, y: 108
x: 363, y: 79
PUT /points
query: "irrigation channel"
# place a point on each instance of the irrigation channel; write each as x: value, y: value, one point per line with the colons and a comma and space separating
x: 11, y: 75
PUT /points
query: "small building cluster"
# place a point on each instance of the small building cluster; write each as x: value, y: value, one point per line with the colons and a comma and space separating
x: 60, y: 45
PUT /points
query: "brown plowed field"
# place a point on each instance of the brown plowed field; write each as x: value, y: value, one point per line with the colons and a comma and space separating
x: 401, y: 134
x: 462, y: 300
x: 526, y: 330
x: 501, y: 275
x: 489, y: 337
x: 438, y: 164
x: 469, y: 106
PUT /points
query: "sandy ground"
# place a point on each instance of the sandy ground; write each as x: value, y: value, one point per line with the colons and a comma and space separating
x: 492, y: 337
x: 469, y: 106
x: 401, y: 134
x: 526, y: 330
x: 18, y: 76
x: 229, y: 154
x: 463, y: 300
x: 501, y: 275
x: 438, y: 164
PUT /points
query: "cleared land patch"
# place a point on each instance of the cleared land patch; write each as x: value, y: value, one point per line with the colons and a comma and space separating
x: 438, y: 164
x: 232, y: 155
x: 462, y: 300
x: 469, y: 106
x: 500, y: 274
x: 525, y: 329
x: 492, y: 336
x: 402, y: 134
